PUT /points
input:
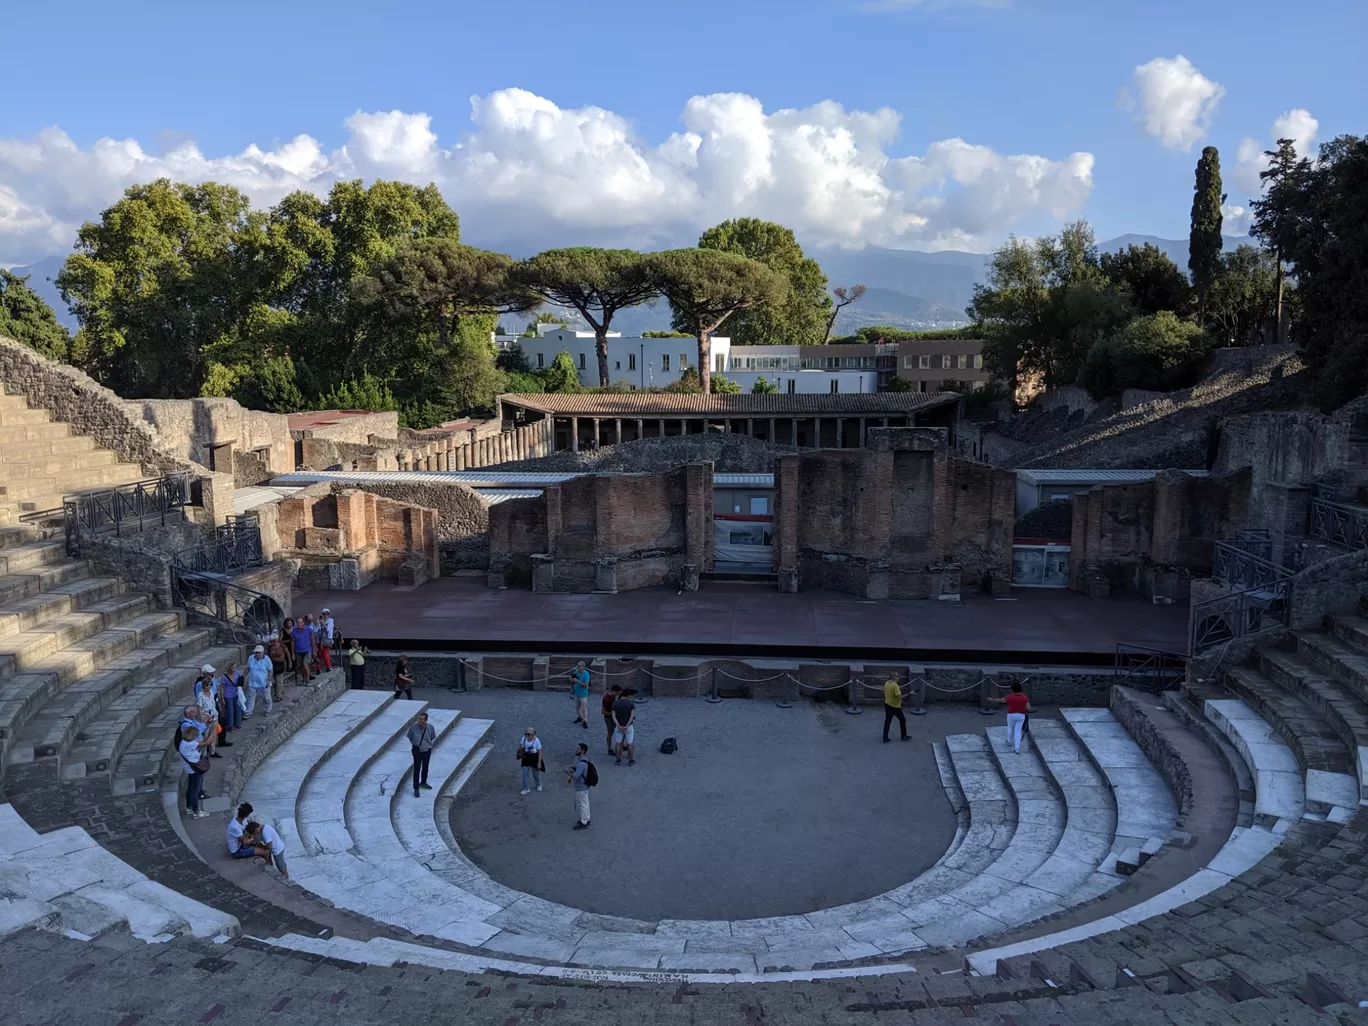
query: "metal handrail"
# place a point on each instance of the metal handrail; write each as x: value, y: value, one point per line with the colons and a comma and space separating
x: 236, y: 547
x: 1340, y: 524
x: 1140, y: 666
x: 245, y: 613
x: 1231, y: 616
x: 126, y: 505
x: 1236, y: 567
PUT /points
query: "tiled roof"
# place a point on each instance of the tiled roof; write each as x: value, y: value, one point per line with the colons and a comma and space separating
x: 746, y: 404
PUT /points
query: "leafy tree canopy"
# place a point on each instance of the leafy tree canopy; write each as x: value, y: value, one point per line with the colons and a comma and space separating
x: 26, y: 318
x: 1158, y: 352
x: 763, y: 386
x: 561, y: 376
x: 1147, y: 276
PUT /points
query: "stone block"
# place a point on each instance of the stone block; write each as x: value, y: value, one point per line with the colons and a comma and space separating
x: 605, y: 575
x: 788, y: 581
x: 543, y: 573
x: 688, y: 577
x: 344, y: 575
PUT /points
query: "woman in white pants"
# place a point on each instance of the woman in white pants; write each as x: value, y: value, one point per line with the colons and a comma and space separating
x: 1018, y: 704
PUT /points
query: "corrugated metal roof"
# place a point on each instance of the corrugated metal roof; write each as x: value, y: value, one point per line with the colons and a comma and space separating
x: 745, y: 404
x: 498, y: 495
x: 1071, y: 476
x: 472, y: 479
x: 743, y: 480
x: 245, y: 499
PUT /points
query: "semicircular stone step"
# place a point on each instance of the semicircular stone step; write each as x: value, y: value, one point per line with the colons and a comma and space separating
x: 1279, y: 788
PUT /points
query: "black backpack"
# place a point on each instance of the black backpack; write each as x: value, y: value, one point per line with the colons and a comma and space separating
x: 591, y: 775
x: 669, y: 746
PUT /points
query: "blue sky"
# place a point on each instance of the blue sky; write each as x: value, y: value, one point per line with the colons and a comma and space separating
x: 1030, y: 78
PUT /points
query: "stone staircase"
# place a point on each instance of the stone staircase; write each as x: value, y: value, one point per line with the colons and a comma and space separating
x: 43, y: 460
x: 84, y: 664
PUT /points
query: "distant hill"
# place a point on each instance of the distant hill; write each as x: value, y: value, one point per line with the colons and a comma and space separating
x: 39, y: 276
x: 885, y: 306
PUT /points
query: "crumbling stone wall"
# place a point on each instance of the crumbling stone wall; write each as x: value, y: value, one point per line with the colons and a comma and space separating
x: 463, y: 518
x: 356, y: 536
x: 517, y: 530
x: 143, y: 560
x: 200, y: 429
x: 899, y: 519
x: 331, y: 454
x: 728, y: 453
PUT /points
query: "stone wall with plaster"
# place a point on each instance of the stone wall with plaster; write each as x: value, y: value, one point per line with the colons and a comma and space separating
x: 209, y: 431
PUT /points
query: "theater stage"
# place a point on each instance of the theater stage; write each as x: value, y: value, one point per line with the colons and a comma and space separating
x: 750, y: 620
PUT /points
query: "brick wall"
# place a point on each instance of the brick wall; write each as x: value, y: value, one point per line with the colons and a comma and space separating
x: 517, y: 529
x: 351, y: 526
x: 1112, y: 531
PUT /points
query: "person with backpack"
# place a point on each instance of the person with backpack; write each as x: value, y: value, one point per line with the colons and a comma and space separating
x: 583, y: 776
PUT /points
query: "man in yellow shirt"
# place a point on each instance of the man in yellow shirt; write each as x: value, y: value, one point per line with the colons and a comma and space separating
x: 893, y: 709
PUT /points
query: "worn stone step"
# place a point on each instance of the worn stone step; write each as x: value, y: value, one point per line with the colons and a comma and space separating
x: 31, y: 612
x: 23, y: 417
x: 28, y: 491
x: 1192, y: 717
x: 36, y: 431
x: 1330, y: 772
x: 23, y: 694
x: 26, y: 556
x: 1336, y: 657
x: 25, y: 650
x: 50, y: 466
x: 1341, y: 709
x: 1350, y: 628
x: 17, y: 586
x: 1279, y: 786
x: 88, y: 745
x: 1144, y: 804
x: 13, y: 402
x: 58, y: 445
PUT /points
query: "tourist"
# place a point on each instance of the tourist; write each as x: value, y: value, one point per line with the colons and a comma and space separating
x: 287, y: 640
x: 403, y: 679
x: 268, y: 845
x: 579, y: 690
x: 356, y: 656
x: 259, y: 677
x: 303, y: 635
x: 278, y: 652
x: 609, y: 697
x: 624, y: 727
x: 191, y: 749
x: 326, y: 627
x: 893, y: 709
x: 231, y: 700
x: 208, y: 705
x: 579, y: 777
x: 1018, y: 704
x: 237, y: 826
x: 421, y: 737
x: 530, y: 756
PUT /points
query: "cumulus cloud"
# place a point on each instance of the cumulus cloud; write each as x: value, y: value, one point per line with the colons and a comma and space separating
x: 1172, y: 101
x: 1235, y: 219
x: 530, y: 173
x: 1296, y: 124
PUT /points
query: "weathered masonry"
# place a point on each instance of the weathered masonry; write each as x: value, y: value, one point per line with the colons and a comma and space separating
x: 808, y: 421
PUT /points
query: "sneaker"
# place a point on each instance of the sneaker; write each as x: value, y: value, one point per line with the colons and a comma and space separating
x: 428, y: 787
x: 584, y: 724
x: 225, y: 744
x: 580, y: 826
x: 416, y: 794
x: 524, y: 791
x: 539, y: 787
x: 619, y: 761
x: 907, y: 737
x: 215, y: 755
x: 576, y: 720
x: 631, y: 762
x: 198, y: 815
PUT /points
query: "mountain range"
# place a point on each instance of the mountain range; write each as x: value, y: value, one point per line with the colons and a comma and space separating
x: 905, y: 288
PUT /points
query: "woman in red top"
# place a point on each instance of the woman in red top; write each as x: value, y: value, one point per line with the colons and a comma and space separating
x: 1018, y: 704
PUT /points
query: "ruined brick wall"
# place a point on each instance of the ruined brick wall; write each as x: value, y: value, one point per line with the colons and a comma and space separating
x: 1112, y: 531
x: 729, y: 454
x: 1192, y: 513
x: 463, y: 518
x: 517, y: 530
x: 982, y: 520
x: 348, y: 524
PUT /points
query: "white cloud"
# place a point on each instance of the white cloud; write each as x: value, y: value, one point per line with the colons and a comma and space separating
x: 1235, y: 219
x: 1296, y: 124
x: 532, y: 174
x: 1172, y: 101
x: 891, y: 6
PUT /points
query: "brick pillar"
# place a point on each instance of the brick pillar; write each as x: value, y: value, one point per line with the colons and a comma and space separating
x: 786, y: 470
x: 698, y: 516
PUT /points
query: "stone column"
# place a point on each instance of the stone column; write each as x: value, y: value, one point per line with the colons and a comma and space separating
x: 574, y: 434
x: 617, y: 428
x: 597, y: 441
x: 840, y: 432
x: 863, y: 432
x: 772, y: 439
x: 641, y: 429
x: 662, y: 427
x: 461, y: 456
x: 793, y: 427
x: 750, y: 427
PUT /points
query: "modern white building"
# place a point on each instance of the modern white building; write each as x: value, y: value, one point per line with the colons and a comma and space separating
x: 656, y: 362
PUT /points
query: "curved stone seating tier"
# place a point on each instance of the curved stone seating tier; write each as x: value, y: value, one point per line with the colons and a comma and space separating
x: 64, y: 881
x: 1039, y: 838
x: 1335, y: 702
x: 1145, y: 809
x: 1279, y: 790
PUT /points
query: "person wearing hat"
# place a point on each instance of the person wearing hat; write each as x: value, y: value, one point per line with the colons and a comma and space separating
x: 208, y: 703
x: 530, y: 758
x: 326, y: 633
x: 579, y: 691
x: 259, y: 678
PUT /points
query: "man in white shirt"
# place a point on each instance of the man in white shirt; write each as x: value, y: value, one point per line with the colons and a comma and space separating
x: 191, y: 750
x: 268, y: 845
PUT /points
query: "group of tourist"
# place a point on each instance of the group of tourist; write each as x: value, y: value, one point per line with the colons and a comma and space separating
x: 250, y: 839
x: 1018, y: 705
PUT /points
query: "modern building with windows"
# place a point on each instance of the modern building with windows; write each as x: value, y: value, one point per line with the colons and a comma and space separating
x: 929, y: 364
x: 632, y: 359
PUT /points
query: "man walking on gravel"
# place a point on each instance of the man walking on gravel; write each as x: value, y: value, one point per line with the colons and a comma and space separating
x: 579, y: 689
x: 421, y: 737
x: 580, y: 778
x: 893, y: 709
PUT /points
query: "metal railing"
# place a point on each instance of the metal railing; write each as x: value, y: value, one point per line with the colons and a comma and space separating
x: 126, y: 507
x: 1340, y: 524
x: 1239, y: 568
x: 245, y: 614
x: 1257, y: 541
x: 1219, y: 620
x: 236, y: 547
x: 1150, y: 669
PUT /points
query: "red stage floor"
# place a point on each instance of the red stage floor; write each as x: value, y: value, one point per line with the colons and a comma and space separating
x: 460, y: 613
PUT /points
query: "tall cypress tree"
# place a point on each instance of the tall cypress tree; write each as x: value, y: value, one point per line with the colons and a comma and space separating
x: 1204, y: 240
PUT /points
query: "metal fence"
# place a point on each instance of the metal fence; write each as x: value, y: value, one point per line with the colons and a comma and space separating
x: 1239, y: 568
x: 246, y: 614
x: 124, y: 508
x: 1221, y: 619
x: 1343, y: 525
x: 1150, y: 669
x: 236, y: 547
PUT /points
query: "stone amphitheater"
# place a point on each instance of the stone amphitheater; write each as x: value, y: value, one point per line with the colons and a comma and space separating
x: 1195, y: 856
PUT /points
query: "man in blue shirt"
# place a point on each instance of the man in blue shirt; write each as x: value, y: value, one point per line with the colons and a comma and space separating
x: 259, y: 673
x: 579, y: 690
x: 303, y: 635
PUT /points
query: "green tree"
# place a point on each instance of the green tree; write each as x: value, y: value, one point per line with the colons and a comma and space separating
x: 844, y: 297
x: 1277, y: 213
x: 271, y: 385
x: 1242, y: 296
x: 763, y: 386
x: 366, y: 393
x: 1160, y: 352
x: 1147, y: 276
x: 688, y: 383
x: 26, y: 317
x: 665, y: 334
x: 897, y: 384
x: 513, y: 360
x: 705, y: 287
x: 164, y: 274
x: 724, y: 386
x: 595, y: 282
x: 1204, y: 237
x: 562, y: 375
x: 534, y: 325
x: 799, y: 311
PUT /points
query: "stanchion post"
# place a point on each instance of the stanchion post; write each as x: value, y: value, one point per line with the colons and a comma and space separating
x: 985, y: 693
x: 460, y: 673
x: 790, y: 693
x: 917, y: 692
x: 714, y: 697
x: 853, y: 696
